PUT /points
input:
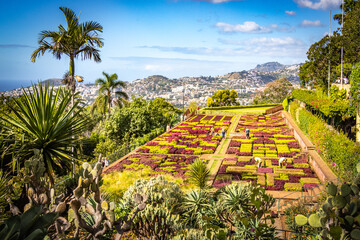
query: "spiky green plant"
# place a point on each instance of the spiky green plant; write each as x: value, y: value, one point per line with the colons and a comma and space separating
x: 196, y: 206
x: 4, y: 191
x: 43, y: 121
x: 199, y: 174
x: 30, y: 225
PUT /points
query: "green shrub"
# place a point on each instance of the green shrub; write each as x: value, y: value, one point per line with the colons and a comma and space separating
x: 285, y: 104
x: 340, y: 153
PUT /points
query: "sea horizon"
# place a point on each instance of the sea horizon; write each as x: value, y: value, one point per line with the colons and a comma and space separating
x: 8, y: 85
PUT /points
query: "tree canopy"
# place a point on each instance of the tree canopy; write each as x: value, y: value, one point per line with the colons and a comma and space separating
x: 315, y: 69
x: 223, y: 98
x: 141, y: 117
x: 275, y: 92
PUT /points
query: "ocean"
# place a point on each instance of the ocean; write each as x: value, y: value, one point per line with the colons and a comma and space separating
x: 6, y: 85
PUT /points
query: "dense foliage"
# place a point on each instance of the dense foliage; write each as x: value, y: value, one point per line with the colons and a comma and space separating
x: 335, y: 148
x: 274, y: 92
x: 315, y: 69
x: 141, y: 117
x: 336, y: 105
x: 222, y: 98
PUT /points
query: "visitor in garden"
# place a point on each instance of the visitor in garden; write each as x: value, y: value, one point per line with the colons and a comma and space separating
x: 223, y: 132
x: 168, y: 127
x: 282, y: 160
x: 247, y: 133
x: 106, y: 163
x: 212, y: 131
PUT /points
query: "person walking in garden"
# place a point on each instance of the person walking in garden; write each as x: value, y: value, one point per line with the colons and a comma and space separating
x: 212, y: 131
x: 223, y: 132
x: 247, y: 133
x: 106, y: 163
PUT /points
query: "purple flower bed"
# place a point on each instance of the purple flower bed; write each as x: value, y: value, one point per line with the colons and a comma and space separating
x: 233, y: 151
x: 235, y: 143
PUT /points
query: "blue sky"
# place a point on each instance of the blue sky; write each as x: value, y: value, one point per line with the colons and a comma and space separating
x: 174, y: 38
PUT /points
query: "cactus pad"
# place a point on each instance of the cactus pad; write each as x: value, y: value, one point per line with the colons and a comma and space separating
x: 301, y: 220
x: 355, y: 234
x: 339, y: 201
x: 61, y: 207
x: 314, y: 220
x: 105, y: 206
x: 331, y: 189
x: 345, y: 190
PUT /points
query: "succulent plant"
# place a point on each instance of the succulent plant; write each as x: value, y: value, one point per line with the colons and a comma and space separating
x: 339, y: 216
x: 30, y: 225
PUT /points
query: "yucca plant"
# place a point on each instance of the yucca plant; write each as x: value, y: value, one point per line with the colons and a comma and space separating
x: 199, y: 174
x: 43, y: 121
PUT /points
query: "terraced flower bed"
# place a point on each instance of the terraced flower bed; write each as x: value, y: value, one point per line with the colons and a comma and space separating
x: 159, y: 163
x: 294, y: 175
x: 191, y: 137
x: 270, y: 137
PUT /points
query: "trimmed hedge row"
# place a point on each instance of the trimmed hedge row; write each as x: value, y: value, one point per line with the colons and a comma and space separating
x: 240, y: 106
x: 340, y: 153
x: 322, y: 104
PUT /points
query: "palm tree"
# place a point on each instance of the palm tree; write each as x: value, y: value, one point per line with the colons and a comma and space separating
x: 78, y: 39
x: 107, y: 86
x: 42, y: 121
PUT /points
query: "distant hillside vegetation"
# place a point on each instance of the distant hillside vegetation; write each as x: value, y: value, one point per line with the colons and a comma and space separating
x: 53, y: 81
x: 269, y: 67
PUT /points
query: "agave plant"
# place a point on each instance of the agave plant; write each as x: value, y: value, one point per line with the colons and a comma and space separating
x: 196, y: 206
x: 43, y: 121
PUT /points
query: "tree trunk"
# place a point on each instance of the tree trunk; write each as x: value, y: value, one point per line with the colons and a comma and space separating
x: 73, y: 88
x: 109, y: 98
x: 357, y: 125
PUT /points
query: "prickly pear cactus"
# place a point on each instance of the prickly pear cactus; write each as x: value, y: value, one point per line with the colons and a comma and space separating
x: 102, y: 212
x: 339, y: 216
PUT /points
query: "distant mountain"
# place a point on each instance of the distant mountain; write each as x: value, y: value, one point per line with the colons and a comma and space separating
x: 53, y: 81
x: 269, y: 67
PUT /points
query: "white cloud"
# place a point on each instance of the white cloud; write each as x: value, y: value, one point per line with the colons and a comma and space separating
x: 319, y: 4
x: 270, y: 47
x: 308, y: 23
x: 246, y: 27
x: 290, y: 13
x: 251, y: 27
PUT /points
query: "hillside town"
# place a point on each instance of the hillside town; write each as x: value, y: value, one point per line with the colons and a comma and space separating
x: 182, y: 91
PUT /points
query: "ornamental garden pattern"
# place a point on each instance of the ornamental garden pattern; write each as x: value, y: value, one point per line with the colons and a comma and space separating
x: 270, y: 139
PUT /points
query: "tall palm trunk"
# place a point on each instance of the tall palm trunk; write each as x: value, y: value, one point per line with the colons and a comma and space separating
x: 109, y: 97
x: 72, y: 87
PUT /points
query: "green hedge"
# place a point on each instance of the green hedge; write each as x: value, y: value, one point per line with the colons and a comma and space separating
x: 241, y: 106
x: 340, y: 153
x: 318, y: 102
